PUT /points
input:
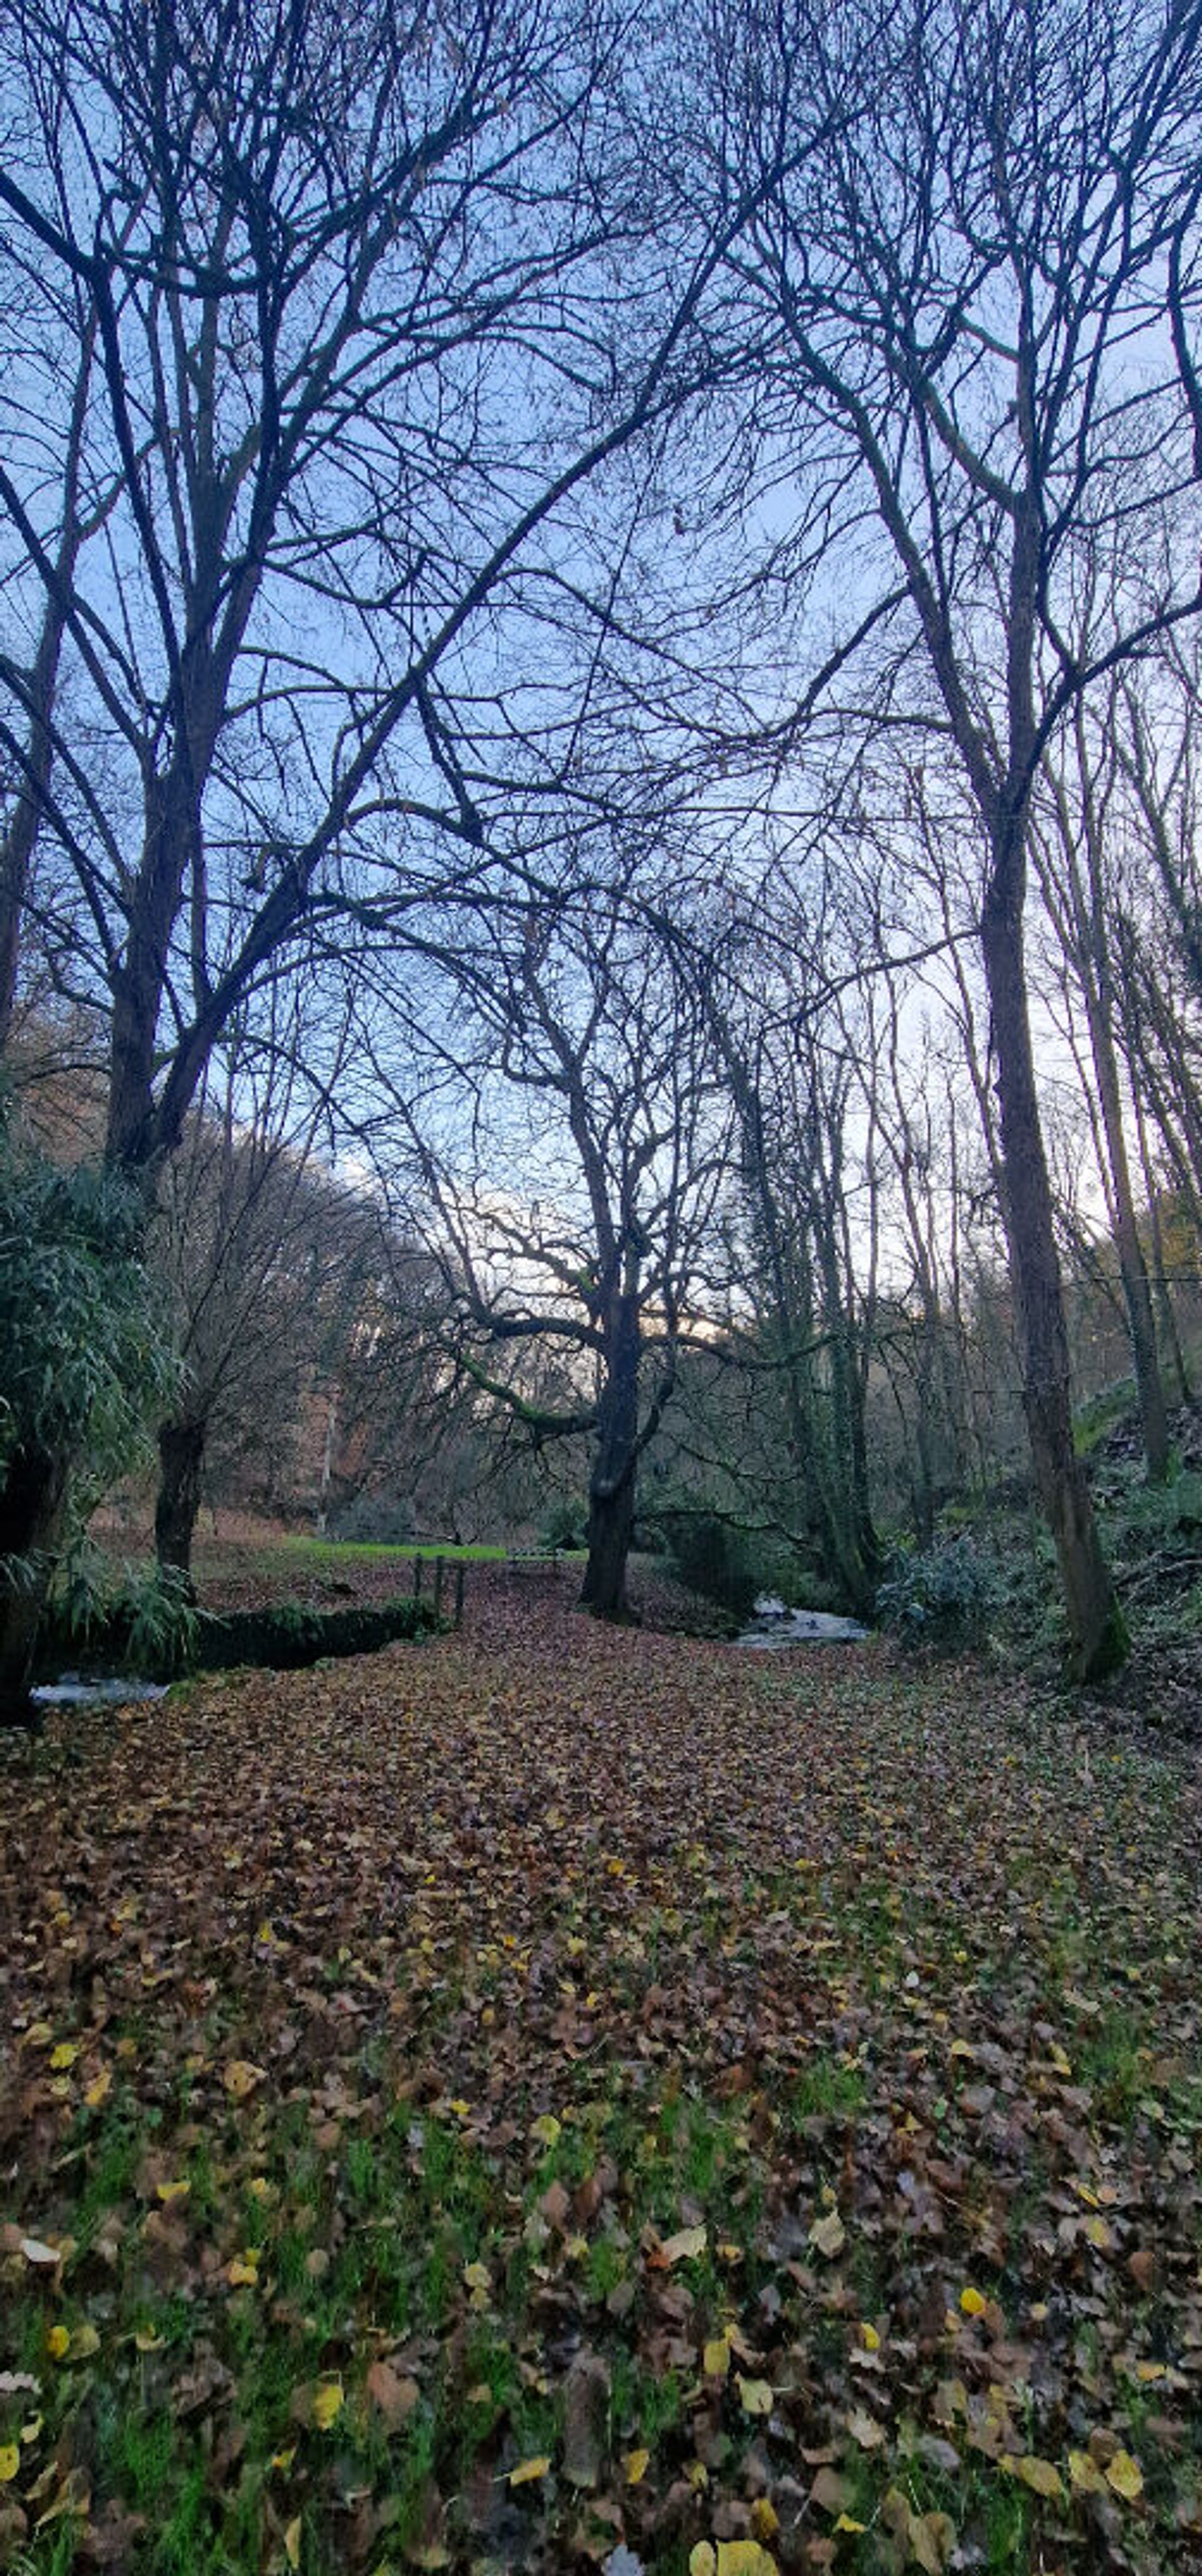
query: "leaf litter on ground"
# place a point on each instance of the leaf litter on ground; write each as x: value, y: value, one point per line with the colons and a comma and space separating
x: 561, y: 2092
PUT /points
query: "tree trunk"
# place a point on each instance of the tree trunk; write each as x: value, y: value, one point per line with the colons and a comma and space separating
x: 612, y: 1483
x: 1096, y: 1625
x: 181, y: 1457
x: 31, y: 1508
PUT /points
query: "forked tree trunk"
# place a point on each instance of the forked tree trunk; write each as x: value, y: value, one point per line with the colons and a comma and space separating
x: 181, y: 1458
x: 1096, y: 1625
x: 31, y: 1510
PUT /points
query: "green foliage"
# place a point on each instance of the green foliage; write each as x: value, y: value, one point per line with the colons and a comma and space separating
x: 565, y: 1523
x: 146, y: 1622
x: 712, y: 1557
x: 85, y: 1367
x: 148, y: 1625
x: 942, y: 1597
x: 293, y: 1636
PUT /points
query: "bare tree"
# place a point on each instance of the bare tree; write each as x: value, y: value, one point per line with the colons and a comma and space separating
x: 329, y: 342
x: 573, y: 1213
x: 951, y: 292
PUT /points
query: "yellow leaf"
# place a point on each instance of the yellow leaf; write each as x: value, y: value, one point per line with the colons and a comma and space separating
x: 461, y: 2109
x: 869, y: 2337
x: 828, y: 2235
x: 240, y: 2077
x: 292, y: 2542
x: 972, y: 2303
x: 476, y: 2276
x: 846, y: 2522
x: 546, y: 2129
x: 99, y: 2089
x: 243, y: 2272
x: 10, y: 2462
x: 744, y: 2558
x: 685, y: 2245
x: 84, y: 2342
x: 1085, y: 2477
x: 146, y: 2340
x: 58, y: 2343
x: 635, y: 2466
x: 1125, y: 2476
x: 715, y: 2360
x: 702, y: 2561
x: 64, y: 2055
x: 755, y: 2395
x: 528, y: 2470
x: 168, y: 2191
x: 1042, y: 2476
x: 283, y: 2459
x: 327, y: 2404
x: 1099, y: 2234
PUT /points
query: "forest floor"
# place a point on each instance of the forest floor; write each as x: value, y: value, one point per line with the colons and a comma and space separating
x: 558, y: 2097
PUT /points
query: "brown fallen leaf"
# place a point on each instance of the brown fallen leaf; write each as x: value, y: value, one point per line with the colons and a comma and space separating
x: 392, y: 2394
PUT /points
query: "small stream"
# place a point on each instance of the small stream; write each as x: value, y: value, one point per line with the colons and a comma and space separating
x: 773, y: 1625
x: 76, y: 1690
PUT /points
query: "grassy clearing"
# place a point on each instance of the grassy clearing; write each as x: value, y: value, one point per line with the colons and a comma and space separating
x: 816, y: 2051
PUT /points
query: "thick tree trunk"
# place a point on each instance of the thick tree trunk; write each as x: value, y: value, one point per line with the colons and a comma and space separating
x: 612, y: 1483
x: 181, y: 1458
x: 1096, y: 1626
x: 31, y: 1508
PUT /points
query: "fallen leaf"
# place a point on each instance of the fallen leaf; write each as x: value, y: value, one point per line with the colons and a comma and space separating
x: 1125, y: 2476
x: 528, y: 2470
x: 1085, y: 2477
x: 744, y: 2558
x: 1042, y: 2476
x: 328, y: 2402
x: 292, y: 2542
x: 828, y: 2235
x: 393, y: 2394
x: 687, y: 2243
x: 755, y: 2395
x: 240, y: 2077
x: 634, y: 2467
x: 10, y: 2462
x: 864, y: 2429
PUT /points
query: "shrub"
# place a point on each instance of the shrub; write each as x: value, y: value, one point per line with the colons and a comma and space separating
x: 145, y: 1623
x: 712, y: 1557
x: 85, y: 1370
x: 565, y: 1523
x: 375, y: 1520
x: 942, y: 1598
x: 149, y: 1626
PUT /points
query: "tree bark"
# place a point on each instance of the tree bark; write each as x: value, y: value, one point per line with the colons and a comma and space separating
x: 1096, y: 1625
x: 181, y: 1457
x: 31, y: 1508
x: 612, y: 1483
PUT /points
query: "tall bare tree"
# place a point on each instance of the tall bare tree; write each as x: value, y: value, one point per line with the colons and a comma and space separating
x: 942, y: 303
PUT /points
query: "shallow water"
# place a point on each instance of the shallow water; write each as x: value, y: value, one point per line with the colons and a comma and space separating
x: 774, y: 1625
x: 73, y: 1691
